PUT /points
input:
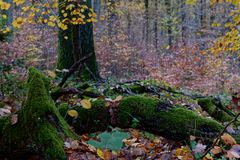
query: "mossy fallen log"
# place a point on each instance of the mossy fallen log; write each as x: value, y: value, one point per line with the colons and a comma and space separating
x: 152, y: 114
x: 89, y: 120
x: 175, y: 122
x: 40, y: 129
x: 215, y: 111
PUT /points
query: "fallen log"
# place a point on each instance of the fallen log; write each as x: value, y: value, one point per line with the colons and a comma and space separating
x: 40, y: 129
x: 152, y: 114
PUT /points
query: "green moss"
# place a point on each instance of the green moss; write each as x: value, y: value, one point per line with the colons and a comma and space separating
x: 40, y: 128
x: 89, y: 120
x: 208, y: 106
x: 137, y: 106
x: 2, y: 104
x: 180, y: 122
x: 155, y: 115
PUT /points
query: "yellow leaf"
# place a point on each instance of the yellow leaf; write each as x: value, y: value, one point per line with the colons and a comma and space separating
x: 4, y: 16
x: 100, y: 153
x: 73, y: 113
x: 5, y: 5
x: 7, y: 30
x: 18, y: 22
x: 62, y: 26
x: 117, y: 99
x: 51, y: 74
x: 102, y: 18
x: 18, y: 2
x: 51, y: 24
x: 191, y: 2
x: 25, y: 8
x: 55, y: 5
x: 208, y: 157
x: 86, y: 103
x: 65, y: 14
x: 66, y: 37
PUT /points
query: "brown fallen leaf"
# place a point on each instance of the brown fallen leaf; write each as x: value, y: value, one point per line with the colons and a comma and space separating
x: 75, y: 144
x: 228, y: 139
x: 118, y: 98
x: 216, y: 150
x: 135, y: 133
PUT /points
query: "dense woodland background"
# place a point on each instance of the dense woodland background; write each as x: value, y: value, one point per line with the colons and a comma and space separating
x: 164, y: 40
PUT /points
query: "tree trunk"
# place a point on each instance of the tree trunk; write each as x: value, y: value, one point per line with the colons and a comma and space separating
x: 146, y: 3
x: 79, y: 43
x: 40, y: 129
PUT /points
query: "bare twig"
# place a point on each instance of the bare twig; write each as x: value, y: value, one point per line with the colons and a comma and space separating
x: 219, y: 136
x: 66, y: 91
x: 73, y: 68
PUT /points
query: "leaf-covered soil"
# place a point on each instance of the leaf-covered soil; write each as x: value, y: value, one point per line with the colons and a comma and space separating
x: 140, y: 145
x: 143, y: 145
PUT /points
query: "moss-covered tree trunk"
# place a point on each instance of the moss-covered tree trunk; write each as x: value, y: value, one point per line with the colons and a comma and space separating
x: 75, y: 43
x: 40, y: 129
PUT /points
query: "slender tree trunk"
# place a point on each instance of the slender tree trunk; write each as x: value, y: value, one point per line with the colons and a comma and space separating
x: 146, y: 3
x: 169, y: 28
x: 156, y: 26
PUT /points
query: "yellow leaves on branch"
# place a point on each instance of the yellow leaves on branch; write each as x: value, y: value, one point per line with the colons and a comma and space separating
x: 17, y: 23
x: 72, y: 13
x: 62, y: 26
x: 4, y: 5
x: 18, y: 2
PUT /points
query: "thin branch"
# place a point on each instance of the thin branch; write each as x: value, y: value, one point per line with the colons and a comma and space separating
x: 219, y: 136
x: 74, y: 68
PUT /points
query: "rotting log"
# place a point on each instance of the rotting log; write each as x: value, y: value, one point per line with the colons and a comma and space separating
x: 153, y: 114
x: 215, y: 111
x: 40, y: 129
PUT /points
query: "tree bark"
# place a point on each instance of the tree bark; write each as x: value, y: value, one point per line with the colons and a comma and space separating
x: 79, y: 43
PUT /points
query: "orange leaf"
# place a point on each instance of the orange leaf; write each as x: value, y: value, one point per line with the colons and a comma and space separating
x: 228, y: 139
x: 216, y: 150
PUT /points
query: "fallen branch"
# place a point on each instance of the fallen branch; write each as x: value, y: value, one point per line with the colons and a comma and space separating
x: 219, y: 136
x: 74, y: 68
x: 66, y: 91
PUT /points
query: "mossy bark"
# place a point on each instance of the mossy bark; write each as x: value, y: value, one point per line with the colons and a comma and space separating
x: 65, y: 44
x: 40, y: 128
x: 175, y: 122
x: 89, y: 120
x: 214, y: 111
x: 79, y: 43
x: 154, y: 115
